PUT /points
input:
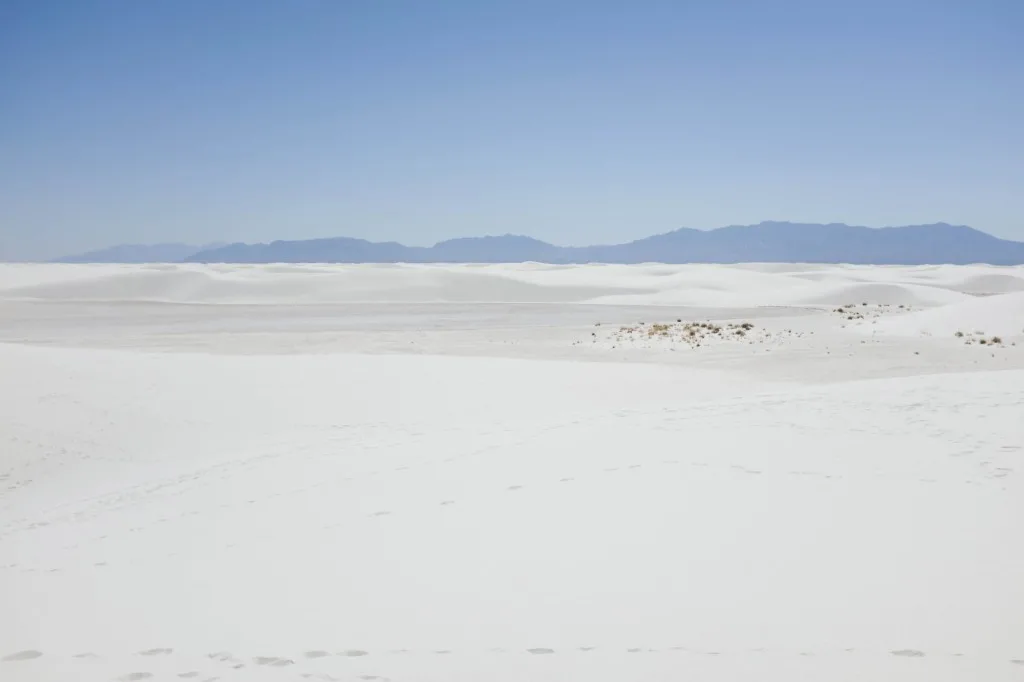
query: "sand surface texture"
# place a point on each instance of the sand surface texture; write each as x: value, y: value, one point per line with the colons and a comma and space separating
x: 511, y: 473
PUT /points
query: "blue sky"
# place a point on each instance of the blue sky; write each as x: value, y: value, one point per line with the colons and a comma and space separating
x: 574, y: 122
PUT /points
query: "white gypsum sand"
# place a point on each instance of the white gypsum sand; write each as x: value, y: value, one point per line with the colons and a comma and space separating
x: 511, y: 472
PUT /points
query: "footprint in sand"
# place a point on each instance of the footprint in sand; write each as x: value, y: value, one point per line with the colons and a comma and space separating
x: 908, y: 653
x: 541, y: 651
x: 316, y: 654
x: 156, y: 652
x: 27, y: 655
x: 134, y: 677
x: 354, y: 653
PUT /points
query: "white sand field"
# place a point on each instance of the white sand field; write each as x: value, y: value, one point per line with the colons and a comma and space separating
x: 511, y: 473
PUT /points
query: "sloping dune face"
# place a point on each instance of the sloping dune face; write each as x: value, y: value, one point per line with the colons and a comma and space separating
x: 1001, y: 315
x: 297, y: 285
x: 739, y: 285
x: 511, y: 472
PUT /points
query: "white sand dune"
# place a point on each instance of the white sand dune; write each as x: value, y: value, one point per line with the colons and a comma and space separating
x: 747, y: 291
x: 1001, y: 315
x: 655, y: 284
x: 296, y: 285
x: 464, y: 473
x: 976, y: 279
x: 884, y: 293
x: 989, y: 284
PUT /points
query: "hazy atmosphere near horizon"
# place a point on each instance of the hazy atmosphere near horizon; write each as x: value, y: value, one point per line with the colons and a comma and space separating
x: 573, y: 122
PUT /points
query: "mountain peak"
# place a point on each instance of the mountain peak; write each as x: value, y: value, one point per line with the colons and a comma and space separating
x: 493, y: 239
x: 767, y: 241
x: 139, y: 253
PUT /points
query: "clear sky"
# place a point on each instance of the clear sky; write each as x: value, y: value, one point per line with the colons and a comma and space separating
x: 574, y: 122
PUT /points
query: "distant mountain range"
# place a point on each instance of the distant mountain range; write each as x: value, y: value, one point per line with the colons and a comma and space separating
x: 140, y: 253
x: 771, y: 242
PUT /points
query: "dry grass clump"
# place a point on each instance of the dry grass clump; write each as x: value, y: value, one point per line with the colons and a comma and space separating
x: 693, y: 334
x: 980, y: 338
x: 863, y: 311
